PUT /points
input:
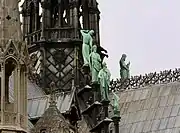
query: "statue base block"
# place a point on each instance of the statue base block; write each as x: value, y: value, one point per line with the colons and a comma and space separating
x: 105, y: 102
x: 87, y: 88
x: 101, y: 125
x: 116, y: 118
x: 91, y: 107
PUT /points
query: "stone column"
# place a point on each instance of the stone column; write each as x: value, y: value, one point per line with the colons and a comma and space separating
x: 96, y: 88
x: 25, y: 99
x: 18, y: 95
x: 106, y: 125
x: 97, y: 28
x: 21, y: 92
x: 105, y: 107
x: 74, y: 8
x: 116, y: 121
x: 36, y: 16
x: 2, y: 93
x: 15, y: 78
x: 46, y: 18
x: 60, y: 14
x: 43, y: 21
x: 85, y: 9
x: 25, y: 23
x: 6, y: 95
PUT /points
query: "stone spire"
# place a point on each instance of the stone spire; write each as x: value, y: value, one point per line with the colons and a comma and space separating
x: 13, y: 65
x: 52, y: 121
x: 10, y: 27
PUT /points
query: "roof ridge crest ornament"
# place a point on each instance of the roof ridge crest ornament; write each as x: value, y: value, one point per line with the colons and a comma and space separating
x: 52, y: 95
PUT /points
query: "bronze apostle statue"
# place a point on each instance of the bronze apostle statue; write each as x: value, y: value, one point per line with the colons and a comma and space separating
x: 95, y: 64
x: 124, y: 68
x: 116, y: 105
x: 87, y: 45
x: 104, y: 80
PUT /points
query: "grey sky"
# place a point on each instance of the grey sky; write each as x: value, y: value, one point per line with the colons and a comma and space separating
x: 148, y: 31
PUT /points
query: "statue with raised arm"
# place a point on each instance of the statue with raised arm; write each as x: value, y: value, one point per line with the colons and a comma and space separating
x: 95, y: 64
x: 104, y: 80
x: 87, y: 45
x: 116, y: 105
x: 124, y: 68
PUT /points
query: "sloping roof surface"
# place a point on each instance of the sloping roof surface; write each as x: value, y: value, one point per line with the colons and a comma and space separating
x: 38, y: 102
x: 32, y: 89
x: 38, y: 105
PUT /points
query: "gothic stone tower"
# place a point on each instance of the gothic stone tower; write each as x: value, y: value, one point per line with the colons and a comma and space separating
x: 52, y: 31
x: 13, y: 53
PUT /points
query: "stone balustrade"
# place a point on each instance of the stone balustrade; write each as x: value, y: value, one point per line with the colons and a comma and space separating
x: 135, y: 82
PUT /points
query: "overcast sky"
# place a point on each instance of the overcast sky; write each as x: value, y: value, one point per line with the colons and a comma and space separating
x: 148, y: 31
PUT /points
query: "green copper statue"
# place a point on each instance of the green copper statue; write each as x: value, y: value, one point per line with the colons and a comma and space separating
x: 95, y: 64
x: 124, y: 68
x: 104, y: 79
x: 116, y: 105
x: 87, y: 45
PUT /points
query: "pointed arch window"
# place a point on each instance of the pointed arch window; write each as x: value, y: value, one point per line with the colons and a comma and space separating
x: 10, y: 79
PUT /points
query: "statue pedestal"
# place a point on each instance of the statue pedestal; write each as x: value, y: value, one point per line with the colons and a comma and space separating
x: 87, y: 88
x: 96, y: 97
x: 116, y: 120
x: 87, y: 78
x: 102, y: 126
x: 96, y: 91
x: 91, y: 107
x: 105, y: 104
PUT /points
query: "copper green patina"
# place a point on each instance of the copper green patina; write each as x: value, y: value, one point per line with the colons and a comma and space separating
x: 87, y: 45
x: 104, y: 79
x: 116, y: 105
x: 124, y: 68
x: 95, y: 64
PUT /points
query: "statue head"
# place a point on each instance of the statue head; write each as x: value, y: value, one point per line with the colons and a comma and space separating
x: 94, y: 48
x: 91, y: 32
x: 124, y: 57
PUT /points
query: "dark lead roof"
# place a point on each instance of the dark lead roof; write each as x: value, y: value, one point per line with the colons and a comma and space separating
x: 38, y: 105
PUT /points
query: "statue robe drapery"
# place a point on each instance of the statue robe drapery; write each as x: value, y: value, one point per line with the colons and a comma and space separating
x: 104, y: 78
x: 95, y: 61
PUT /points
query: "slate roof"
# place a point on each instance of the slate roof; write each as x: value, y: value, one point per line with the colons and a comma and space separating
x: 38, y: 102
x: 32, y: 88
x: 33, y: 91
x: 38, y: 105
